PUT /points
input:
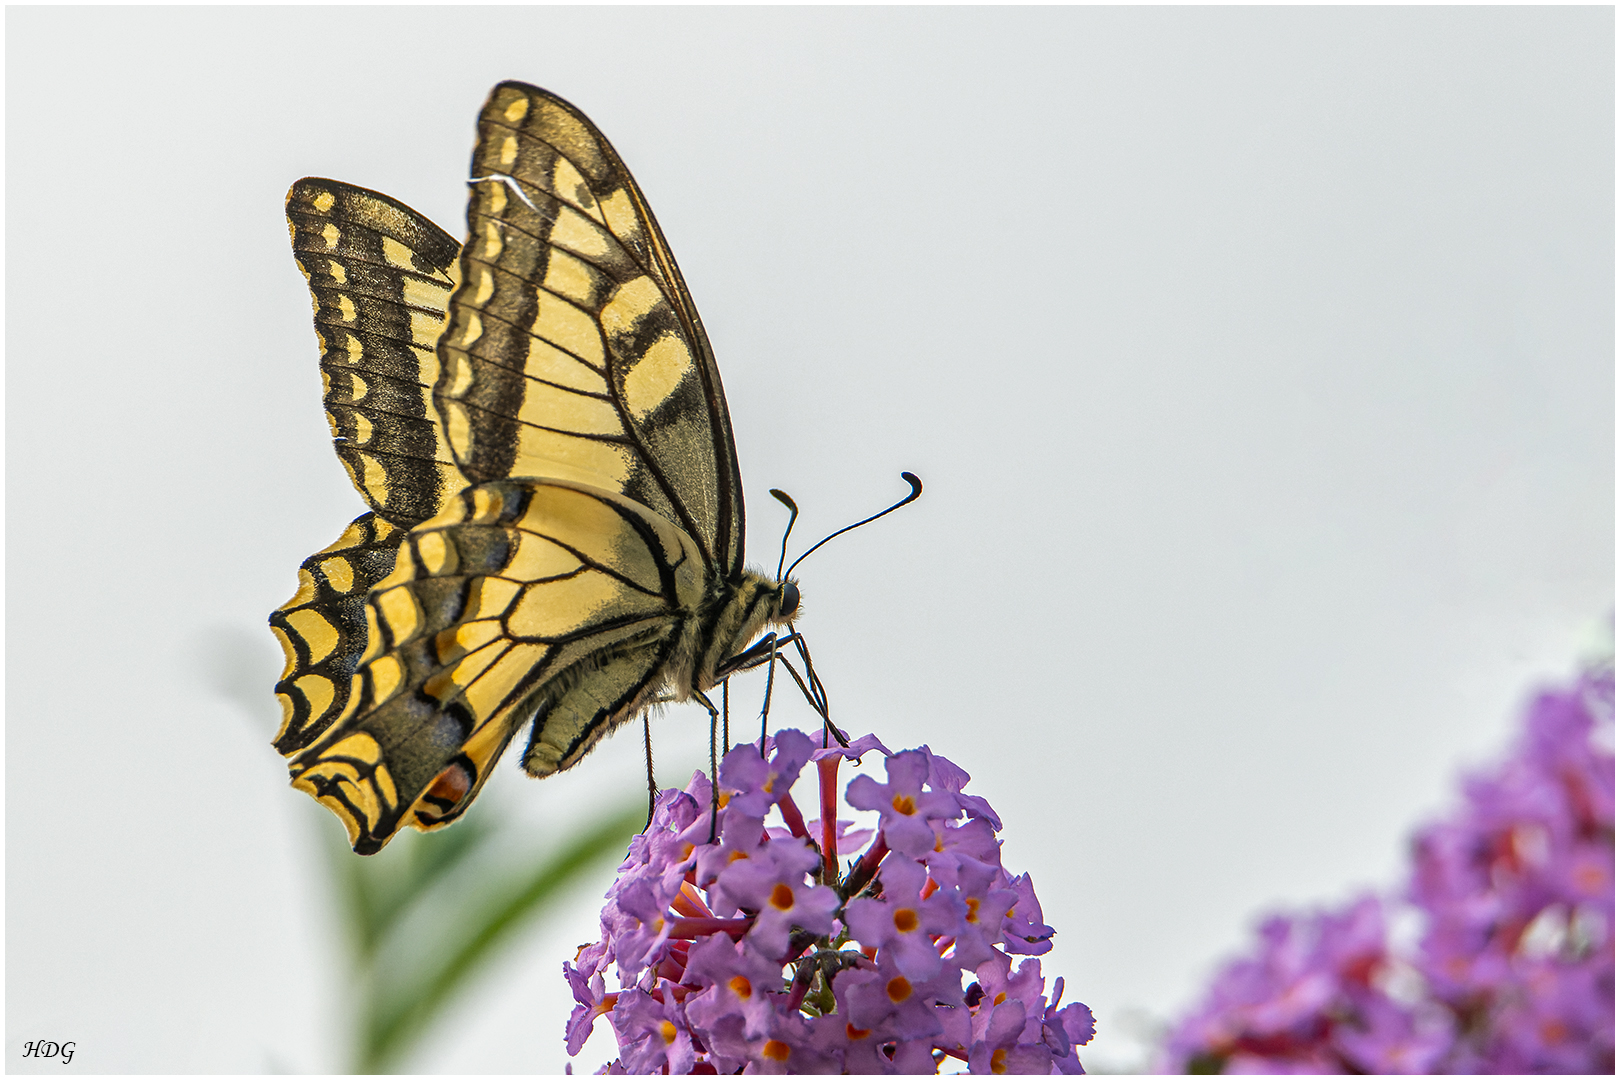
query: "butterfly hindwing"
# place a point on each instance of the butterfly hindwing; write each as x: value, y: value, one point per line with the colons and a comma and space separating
x: 573, y: 349
x: 381, y: 276
x: 522, y: 599
x: 322, y: 629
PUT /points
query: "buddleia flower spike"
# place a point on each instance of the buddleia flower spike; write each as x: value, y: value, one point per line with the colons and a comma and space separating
x: 759, y: 951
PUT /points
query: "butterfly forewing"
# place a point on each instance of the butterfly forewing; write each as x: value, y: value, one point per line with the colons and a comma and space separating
x: 572, y: 349
x: 381, y: 277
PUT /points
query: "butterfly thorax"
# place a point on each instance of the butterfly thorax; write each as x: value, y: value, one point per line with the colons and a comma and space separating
x: 732, y: 615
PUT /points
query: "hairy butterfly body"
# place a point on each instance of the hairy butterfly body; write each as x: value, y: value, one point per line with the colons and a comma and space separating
x: 537, y: 424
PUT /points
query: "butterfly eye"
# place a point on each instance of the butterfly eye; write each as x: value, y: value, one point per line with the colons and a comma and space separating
x: 789, y: 602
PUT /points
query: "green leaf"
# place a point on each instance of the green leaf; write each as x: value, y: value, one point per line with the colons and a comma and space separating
x: 398, y: 1010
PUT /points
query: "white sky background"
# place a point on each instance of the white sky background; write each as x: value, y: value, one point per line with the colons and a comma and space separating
x: 1259, y: 364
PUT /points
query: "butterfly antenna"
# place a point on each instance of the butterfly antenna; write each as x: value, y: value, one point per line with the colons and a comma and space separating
x: 786, y: 500
x: 916, y: 490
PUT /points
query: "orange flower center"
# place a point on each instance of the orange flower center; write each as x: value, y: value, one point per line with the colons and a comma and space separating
x: 782, y: 897
x: 741, y: 986
x: 905, y: 920
x: 904, y: 805
x: 899, y: 989
x: 776, y: 1051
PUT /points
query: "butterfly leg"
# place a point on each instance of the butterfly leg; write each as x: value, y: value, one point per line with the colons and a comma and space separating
x: 714, y: 762
x: 819, y: 701
x: 652, y: 785
x: 765, y: 709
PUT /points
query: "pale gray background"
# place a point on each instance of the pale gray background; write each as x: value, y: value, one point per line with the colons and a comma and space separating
x: 1258, y: 362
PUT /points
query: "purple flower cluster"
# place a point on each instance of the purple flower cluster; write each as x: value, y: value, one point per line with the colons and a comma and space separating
x: 742, y: 946
x: 1514, y: 972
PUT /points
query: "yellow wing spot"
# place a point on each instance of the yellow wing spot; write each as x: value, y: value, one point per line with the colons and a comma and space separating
x: 434, y: 552
x: 566, y: 326
x: 374, y: 642
x: 386, y: 676
x: 397, y: 254
x: 318, y: 691
x: 537, y: 558
x: 509, y: 150
x: 631, y: 303
x: 494, y: 242
x: 306, y: 587
x: 376, y: 477
x: 461, y: 375
x: 569, y: 185
x: 555, y: 608
x: 424, y: 294
x: 288, y: 711
x: 497, y: 198
x: 426, y: 328
x: 457, y: 430
x: 471, y: 330
x: 330, y: 235
x: 398, y: 608
x: 323, y: 201
x: 461, y: 640
x: 288, y: 653
x: 619, y: 213
x: 579, y: 458
x: 385, y: 785
x: 362, y: 429
x: 486, y: 288
x: 570, y: 412
x: 494, y: 597
x: 339, y: 573
x: 335, y: 268
x: 357, y: 387
x: 487, y: 507
x: 318, y: 635
x: 446, y: 684
x: 427, y: 371
x: 353, y: 348
x: 567, y: 277
x: 488, y: 690
x: 353, y: 535
x: 547, y: 362
x: 346, y: 308
x: 517, y: 110
x: 655, y: 376
x: 359, y: 745
x: 578, y: 234
x: 306, y: 784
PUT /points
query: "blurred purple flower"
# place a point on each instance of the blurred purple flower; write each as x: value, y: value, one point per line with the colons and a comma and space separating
x: 1514, y: 972
x: 754, y: 953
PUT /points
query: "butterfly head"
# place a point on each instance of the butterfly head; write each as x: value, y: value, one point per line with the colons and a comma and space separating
x: 787, y: 602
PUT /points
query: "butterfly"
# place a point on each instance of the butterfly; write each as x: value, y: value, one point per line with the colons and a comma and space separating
x: 536, y: 421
